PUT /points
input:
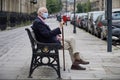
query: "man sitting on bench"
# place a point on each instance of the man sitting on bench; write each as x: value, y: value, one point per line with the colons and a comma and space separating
x: 44, y: 34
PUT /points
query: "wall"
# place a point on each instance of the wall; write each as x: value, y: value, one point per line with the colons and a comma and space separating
x: 23, y: 6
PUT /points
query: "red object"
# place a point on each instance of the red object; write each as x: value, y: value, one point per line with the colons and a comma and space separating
x: 100, y: 24
x: 65, y: 18
x: 68, y: 18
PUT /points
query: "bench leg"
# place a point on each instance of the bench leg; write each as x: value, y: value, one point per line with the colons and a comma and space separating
x: 31, y: 69
x: 59, y: 75
x: 58, y: 64
x: 33, y: 66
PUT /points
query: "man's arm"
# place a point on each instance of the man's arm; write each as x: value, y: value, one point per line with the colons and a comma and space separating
x: 46, y: 32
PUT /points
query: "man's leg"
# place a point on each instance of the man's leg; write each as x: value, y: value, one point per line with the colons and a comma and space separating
x: 68, y: 47
x: 71, y: 47
x: 72, y: 44
x: 75, y: 58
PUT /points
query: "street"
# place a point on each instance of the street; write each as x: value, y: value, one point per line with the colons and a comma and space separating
x: 15, y: 56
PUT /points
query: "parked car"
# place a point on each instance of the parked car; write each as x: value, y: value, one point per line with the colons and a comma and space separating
x: 71, y: 17
x: 101, y: 24
x: 116, y: 36
x: 84, y: 20
x: 79, y: 19
x: 73, y: 20
x: 116, y: 24
x: 101, y: 29
x: 92, y: 16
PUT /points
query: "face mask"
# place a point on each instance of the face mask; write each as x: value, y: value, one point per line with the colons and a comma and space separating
x: 45, y: 15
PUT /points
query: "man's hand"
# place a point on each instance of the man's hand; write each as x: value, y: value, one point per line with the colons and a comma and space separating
x: 59, y: 38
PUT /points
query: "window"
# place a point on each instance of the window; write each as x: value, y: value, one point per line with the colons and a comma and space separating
x: 116, y: 15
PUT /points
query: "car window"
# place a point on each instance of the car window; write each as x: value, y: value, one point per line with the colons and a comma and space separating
x: 85, y: 17
x: 98, y: 18
x: 96, y: 15
x: 103, y: 17
x: 116, y: 15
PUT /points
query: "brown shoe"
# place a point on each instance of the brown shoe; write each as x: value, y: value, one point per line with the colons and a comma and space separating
x: 77, y: 67
x: 81, y: 62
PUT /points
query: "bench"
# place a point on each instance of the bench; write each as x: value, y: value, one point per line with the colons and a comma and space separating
x: 40, y: 51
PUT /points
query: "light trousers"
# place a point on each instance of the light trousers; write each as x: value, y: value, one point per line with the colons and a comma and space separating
x: 69, y: 44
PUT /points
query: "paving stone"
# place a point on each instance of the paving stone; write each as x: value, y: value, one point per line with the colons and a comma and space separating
x: 114, y: 70
x: 108, y: 77
x: 8, y: 76
x: 108, y: 64
x: 82, y: 76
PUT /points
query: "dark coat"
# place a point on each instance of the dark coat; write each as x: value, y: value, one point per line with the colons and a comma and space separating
x: 43, y: 33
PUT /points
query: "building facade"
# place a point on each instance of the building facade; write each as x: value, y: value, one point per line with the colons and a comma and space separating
x: 70, y: 4
x: 17, y: 12
x: 95, y: 5
x: 21, y: 6
x: 116, y: 4
x: 101, y: 4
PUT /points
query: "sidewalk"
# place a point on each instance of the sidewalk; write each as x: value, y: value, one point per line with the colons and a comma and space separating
x: 103, y: 65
